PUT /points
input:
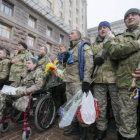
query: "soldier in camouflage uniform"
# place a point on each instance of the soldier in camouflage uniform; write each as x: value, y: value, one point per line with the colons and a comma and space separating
x: 19, y: 62
x: 72, y: 76
x: 104, y: 81
x: 127, y: 52
x: 32, y: 81
x: 43, y: 59
x: 4, y: 66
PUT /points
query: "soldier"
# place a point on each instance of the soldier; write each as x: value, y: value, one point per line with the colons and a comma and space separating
x: 32, y: 81
x: 77, y: 78
x: 126, y: 52
x: 19, y: 62
x: 104, y: 81
x: 4, y: 66
x: 43, y: 59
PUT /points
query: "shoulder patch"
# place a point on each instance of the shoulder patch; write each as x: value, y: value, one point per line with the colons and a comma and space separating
x: 86, y: 47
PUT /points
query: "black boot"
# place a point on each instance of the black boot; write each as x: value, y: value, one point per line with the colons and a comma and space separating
x: 73, y: 130
x: 83, y: 133
x: 100, y: 135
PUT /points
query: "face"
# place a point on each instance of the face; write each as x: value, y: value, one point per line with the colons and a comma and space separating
x: 20, y: 47
x: 103, y: 31
x: 2, y: 54
x: 73, y: 36
x: 15, y: 52
x: 62, y: 49
x: 30, y: 65
x: 42, y: 50
x: 132, y: 20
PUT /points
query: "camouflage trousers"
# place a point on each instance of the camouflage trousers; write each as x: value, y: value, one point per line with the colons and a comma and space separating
x: 20, y: 103
x: 128, y: 114
x: 72, y: 89
x: 100, y: 93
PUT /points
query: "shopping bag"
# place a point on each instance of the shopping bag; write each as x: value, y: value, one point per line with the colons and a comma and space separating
x: 88, y: 111
x: 68, y: 111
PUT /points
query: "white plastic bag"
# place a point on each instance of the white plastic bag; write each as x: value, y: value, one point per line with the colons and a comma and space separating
x: 88, y: 111
x: 68, y: 111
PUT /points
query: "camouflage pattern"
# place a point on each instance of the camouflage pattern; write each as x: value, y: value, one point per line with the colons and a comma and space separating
x: 72, y: 70
x: 100, y: 93
x: 4, y: 68
x: 128, y: 114
x: 106, y: 72
x: 2, y: 103
x: 126, y: 52
x: 43, y: 60
x: 18, y: 68
x: 33, y: 81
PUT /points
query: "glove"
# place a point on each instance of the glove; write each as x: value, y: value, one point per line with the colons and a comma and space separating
x: 66, y: 57
x: 98, y: 61
x: 85, y: 87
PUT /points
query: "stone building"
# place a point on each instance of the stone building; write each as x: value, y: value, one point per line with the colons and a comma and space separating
x: 116, y: 27
x: 38, y: 23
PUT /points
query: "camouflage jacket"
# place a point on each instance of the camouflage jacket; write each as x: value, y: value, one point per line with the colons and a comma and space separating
x: 72, y: 70
x: 32, y: 80
x: 126, y: 52
x: 18, y: 68
x: 106, y: 72
x: 4, y: 68
x: 43, y: 60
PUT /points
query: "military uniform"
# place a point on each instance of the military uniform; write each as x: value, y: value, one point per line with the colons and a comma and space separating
x: 104, y: 82
x: 43, y: 60
x: 33, y: 81
x: 126, y: 52
x: 4, y: 69
x: 18, y: 68
x: 72, y: 76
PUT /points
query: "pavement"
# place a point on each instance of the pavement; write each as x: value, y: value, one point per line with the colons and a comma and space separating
x: 53, y: 133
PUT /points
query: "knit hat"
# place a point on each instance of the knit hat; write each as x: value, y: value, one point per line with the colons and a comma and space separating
x: 104, y: 23
x: 34, y: 59
x: 132, y: 10
x: 23, y: 44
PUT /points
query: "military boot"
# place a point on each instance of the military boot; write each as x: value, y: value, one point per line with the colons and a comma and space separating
x: 83, y: 133
x: 73, y: 130
x: 100, y: 135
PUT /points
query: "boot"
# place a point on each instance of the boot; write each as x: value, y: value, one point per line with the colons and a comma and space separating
x: 100, y: 135
x: 120, y: 137
x: 83, y: 133
x: 73, y: 130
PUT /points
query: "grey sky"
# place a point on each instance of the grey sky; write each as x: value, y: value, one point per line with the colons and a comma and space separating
x: 110, y: 10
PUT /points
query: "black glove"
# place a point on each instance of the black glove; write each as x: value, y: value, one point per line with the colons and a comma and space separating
x: 85, y: 87
x: 66, y: 57
x: 98, y: 61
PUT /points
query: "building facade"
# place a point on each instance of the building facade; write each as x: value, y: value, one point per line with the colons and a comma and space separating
x: 116, y: 27
x: 38, y: 23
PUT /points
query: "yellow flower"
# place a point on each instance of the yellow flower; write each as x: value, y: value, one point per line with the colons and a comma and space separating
x: 50, y: 67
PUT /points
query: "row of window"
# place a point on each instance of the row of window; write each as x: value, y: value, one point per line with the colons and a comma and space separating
x: 7, y: 8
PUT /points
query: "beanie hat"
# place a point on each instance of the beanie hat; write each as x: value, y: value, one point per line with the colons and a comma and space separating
x: 132, y: 10
x: 104, y: 23
x: 23, y: 44
x: 34, y: 59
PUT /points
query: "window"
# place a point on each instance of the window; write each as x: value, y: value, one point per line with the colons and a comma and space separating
x: 60, y: 14
x: 70, y: 22
x: 61, y: 39
x: 5, y: 31
x: 70, y: 13
x: 60, y: 3
x: 48, y: 46
x: 77, y: 20
x: 77, y: 11
x: 7, y: 8
x: 70, y: 2
x: 31, y: 41
x: 49, y: 4
x: 32, y: 22
x: 49, y: 31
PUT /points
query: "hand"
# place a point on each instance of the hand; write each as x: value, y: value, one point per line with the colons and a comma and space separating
x: 137, y: 75
x: 98, y: 61
x: 19, y: 93
x: 85, y: 87
x: 66, y: 57
x: 15, y: 60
